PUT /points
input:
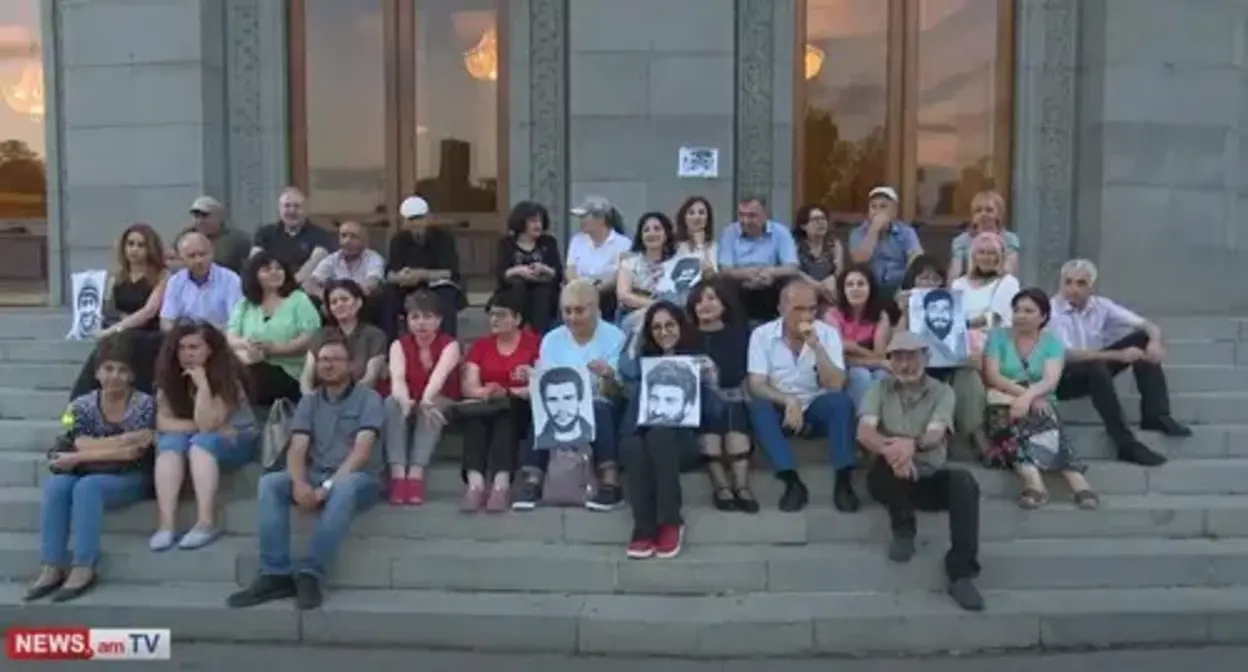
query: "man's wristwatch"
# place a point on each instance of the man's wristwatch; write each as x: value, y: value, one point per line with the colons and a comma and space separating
x: 327, y: 484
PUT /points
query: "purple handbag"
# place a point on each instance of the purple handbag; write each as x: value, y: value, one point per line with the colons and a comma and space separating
x: 569, y: 478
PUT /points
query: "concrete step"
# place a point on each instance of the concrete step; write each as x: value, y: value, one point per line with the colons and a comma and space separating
x: 45, y: 351
x: 529, y: 567
x: 1227, y: 476
x: 783, y: 624
x: 1196, y: 408
x: 58, y: 376
x: 31, y: 404
x: 1133, y: 516
x: 1185, y: 379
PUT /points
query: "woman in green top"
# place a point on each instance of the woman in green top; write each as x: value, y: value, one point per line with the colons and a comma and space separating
x: 1022, y: 366
x: 271, y: 328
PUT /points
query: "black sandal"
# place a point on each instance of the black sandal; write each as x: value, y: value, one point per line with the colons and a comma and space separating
x: 724, y: 500
x: 1087, y: 500
x: 744, y: 497
x: 67, y: 593
x: 1032, y: 499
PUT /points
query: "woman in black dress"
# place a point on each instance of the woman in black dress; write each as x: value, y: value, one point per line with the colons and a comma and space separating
x: 132, y: 305
x: 529, y: 262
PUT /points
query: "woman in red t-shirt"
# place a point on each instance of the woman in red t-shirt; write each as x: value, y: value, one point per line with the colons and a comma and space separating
x: 496, y: 375
x: 424, y: 383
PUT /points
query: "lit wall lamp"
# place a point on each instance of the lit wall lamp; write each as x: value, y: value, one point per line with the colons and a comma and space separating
x: 814, y: 61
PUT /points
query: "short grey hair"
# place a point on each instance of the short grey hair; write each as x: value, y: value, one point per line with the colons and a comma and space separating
x: 1080, y: 266
x: 579, y: 289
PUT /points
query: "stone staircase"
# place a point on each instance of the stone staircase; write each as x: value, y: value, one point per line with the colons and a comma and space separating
x: 1165, y: 560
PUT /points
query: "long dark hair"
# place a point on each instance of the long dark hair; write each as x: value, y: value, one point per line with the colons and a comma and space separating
x: 682, y: 229
x: 875, y: 303
x: 226, y: 375
x: 669, y: 244
x: 153, y: 246
x: 252, y: 291
x: 687, y: 342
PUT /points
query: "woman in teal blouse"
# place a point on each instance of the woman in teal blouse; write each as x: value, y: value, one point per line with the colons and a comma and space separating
x: 271, y: 328
x: 1022, y: 366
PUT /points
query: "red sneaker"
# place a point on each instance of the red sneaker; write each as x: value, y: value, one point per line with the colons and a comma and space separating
x: 640, y: 549
x: 671, y: 537
x: 415, y: 491
x: 398, y: 491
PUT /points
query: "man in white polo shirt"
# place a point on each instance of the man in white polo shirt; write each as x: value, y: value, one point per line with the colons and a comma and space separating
x: 796, y: 371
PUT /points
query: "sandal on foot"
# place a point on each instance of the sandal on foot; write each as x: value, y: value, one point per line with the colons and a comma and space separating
x: 724, y: 500
x: 1031, y: 499
x: 745, y: 500
x: 1087, y: 500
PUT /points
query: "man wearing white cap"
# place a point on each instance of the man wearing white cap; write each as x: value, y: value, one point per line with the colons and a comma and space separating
x: 904, y: 422
x: 421, y: 257
x: 294, y: 240
x: 882, y: 241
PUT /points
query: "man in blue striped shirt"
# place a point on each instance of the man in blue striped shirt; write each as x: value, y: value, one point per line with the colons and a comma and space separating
x: 202, y: 290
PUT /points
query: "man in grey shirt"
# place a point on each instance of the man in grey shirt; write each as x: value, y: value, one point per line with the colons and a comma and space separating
x: 333, y: 467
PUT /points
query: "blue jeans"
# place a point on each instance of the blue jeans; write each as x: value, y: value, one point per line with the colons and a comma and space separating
x: 351, y: 495
x: 859, y: 380
x: 231, y: 451
x: 605, y: 446
x: 80, y: 502
x: 830, y: 415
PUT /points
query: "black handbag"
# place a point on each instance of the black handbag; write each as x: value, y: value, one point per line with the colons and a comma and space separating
x: 65, y: 444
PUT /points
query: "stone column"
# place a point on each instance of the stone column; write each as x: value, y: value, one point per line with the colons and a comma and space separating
x: 142, y: 118
x: 538, y: 105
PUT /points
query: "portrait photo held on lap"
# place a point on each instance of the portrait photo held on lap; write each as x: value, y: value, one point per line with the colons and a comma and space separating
x: 563, y: 408
x: 670, y: 393
x: 935, y: 315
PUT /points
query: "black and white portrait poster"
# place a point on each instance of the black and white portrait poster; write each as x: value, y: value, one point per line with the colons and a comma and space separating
x: 680, y: 274
x: 936, y: 315
x: 670, y: 392
x: 563, y: 407
x: 88, y: 302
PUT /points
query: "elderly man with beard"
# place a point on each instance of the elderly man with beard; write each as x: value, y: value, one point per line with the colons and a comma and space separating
x: 904, y: 423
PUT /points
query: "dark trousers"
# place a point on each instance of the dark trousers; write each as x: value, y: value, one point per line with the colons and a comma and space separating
x: 145, y: 344
x: 392, y: 312
x: 492, y: 442
x: 952, y: 490
x: 270, y: 382
x: 1096, y: 379
x: 760, y: 304
x: 652, y: 478
x: 541, y: 303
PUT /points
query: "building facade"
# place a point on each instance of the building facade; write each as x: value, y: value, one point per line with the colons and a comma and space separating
x: 1109, y: 139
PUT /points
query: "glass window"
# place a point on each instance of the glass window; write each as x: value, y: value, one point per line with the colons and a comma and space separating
x: 912, y: 93
x: 23, y: 174
x: 456, y: 115
x: 344, y: 106
x: 393, y: 97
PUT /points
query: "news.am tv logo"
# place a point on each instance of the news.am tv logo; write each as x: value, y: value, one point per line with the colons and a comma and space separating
x: 79, y: 643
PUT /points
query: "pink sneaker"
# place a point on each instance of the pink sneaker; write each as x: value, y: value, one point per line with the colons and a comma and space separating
x: 473, y: 500
x: 499, y: 501
x: 398, y: 491
x: 415, y: 491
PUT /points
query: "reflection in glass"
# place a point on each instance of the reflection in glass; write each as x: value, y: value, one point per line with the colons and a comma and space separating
x: 23, y: 174
x: 346, y: 113
x: 956, y: 104
x: 845, y: 147
x: 457, y: 61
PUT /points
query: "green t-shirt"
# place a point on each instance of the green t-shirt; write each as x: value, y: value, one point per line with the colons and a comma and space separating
x: 1014, y: 367
x: 296, y: 317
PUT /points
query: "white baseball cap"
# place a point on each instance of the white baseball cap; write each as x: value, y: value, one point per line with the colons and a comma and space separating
x: 885, y: 191
x: 414, y: 207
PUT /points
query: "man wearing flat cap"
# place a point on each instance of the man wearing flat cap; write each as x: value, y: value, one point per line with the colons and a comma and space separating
x: 904, y: 422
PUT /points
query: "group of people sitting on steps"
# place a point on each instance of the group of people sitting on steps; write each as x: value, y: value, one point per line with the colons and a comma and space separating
x: 801, y: 335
